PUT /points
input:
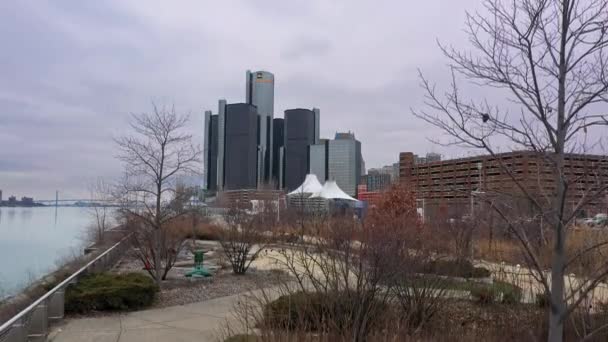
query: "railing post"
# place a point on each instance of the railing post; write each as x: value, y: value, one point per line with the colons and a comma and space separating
x: 56, y: 306
x: 16, y: 333
x: 39, y: 324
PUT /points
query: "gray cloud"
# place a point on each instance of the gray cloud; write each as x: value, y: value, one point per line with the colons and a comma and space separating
x: 305, y: 46
x: 73, y: 71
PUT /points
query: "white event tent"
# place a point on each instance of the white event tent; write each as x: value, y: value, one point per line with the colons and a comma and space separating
x: 331, y: 190
x: 310, y: 186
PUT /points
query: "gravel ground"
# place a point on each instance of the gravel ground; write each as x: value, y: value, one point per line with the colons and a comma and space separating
x: 178, y: 289
x: 222, y: 284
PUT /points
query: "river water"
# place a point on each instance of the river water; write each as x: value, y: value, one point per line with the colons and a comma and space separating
x: 34, y: 240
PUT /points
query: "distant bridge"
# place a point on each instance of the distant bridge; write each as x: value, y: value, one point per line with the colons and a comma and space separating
x: 72, y: 201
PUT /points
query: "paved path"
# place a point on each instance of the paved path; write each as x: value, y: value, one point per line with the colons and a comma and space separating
x: 190, y: 322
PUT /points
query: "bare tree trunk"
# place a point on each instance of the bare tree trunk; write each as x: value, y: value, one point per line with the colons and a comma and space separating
x: 157, y: 229
x: 558, y: 306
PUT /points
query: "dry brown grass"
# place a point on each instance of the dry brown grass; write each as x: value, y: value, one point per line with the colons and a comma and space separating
x: 510, y: 251
x: 188, y: 227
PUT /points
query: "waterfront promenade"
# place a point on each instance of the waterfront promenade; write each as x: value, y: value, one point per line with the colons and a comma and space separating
x: 191, y: 322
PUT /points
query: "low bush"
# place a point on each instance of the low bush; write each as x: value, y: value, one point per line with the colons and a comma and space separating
x: 319, y: 311
x: 484, y: 295
x: 542, y: 300
x: 499, y: 291
x: 205, y: 232
x: 108, y: 292
x: 242, y: 338
x: 510, y: 294
x: 455, y: 268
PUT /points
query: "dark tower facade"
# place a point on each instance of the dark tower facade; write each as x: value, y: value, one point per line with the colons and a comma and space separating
x: 211, y: 148
x: 241, y: 148
x: 260, y: 93
x: 301, y: 131
x: 278, y: 137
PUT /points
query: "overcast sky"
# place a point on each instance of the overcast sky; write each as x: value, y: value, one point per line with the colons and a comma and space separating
x: 72, y: 71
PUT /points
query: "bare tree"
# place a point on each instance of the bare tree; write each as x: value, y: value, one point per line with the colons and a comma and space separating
x: 101, y: 212
x: 245, y: 237
x: 551, y: 57
x: 155, y: 156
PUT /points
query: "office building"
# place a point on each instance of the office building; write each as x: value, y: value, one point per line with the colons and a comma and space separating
x: 278, y: 140
x: 219, y: 147
x: 391, y: 170
x: 260, y: 93
x: 240, y: 147
x: 428, y: 158
x: 340, y: 160
x: 317, y: 158
x: 301, y: 131
x: 210, y: 151
x: 376, y: 181
x: 230, y: 147
x: 344, y: 162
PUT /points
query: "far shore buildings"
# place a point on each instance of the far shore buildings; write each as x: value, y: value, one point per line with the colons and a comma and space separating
x: 453, y: 185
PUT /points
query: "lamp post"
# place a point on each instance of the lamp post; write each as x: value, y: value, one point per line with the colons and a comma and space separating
x: 423, y: 208
x: 478, y: 191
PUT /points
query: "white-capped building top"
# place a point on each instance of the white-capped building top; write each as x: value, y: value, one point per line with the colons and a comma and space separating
x: 331, y: 190
x: 311, y: 185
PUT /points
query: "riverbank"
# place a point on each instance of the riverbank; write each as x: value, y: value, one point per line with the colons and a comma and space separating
x: 12, y: 305
x: 37, y: 240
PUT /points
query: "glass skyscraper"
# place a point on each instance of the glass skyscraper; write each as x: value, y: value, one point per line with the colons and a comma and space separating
x: 340, y: 160
x: 301, y: 131
x: 260, y: 93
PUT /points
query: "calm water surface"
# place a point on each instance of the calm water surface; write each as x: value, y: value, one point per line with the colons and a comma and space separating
x: 34, y: 240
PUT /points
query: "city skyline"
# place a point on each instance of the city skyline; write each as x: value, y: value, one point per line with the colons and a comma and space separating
x: 72, y: 73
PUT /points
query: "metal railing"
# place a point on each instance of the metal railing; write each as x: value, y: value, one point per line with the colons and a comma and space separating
x: 32, y: 323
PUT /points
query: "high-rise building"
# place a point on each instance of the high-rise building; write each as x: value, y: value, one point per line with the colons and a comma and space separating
x: 428, y: 158
x: 344, y: 162
x: 260, y: 93
x: 392, y: 170
x: 317, y: 157
x: 376, y: 181
x: 240, y: 159
x: 210, y: 151
x: 339, y: 159
x: 301, y: 131
x: 278, y: 140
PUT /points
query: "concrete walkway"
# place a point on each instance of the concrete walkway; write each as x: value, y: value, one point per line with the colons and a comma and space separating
x: 192, y: 322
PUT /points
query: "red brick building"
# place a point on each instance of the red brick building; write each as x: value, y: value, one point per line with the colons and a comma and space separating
x: 451, y: 183
x: 372, y: 198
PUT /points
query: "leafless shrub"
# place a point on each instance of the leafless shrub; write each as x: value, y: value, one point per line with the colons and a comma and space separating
x: 244, y: 237
x: 151, y: 251
x: 100, y: 211
x: 151, y: 196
